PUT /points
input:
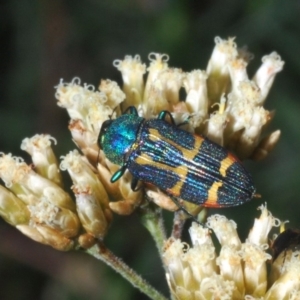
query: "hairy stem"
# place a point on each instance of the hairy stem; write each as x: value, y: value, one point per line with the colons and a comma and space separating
x: 100, y: 252
x: 153, y: 221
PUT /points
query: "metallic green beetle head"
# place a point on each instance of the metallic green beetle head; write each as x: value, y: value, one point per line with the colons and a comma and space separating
x: 117, y: 136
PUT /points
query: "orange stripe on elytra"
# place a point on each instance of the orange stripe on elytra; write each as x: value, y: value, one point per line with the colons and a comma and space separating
x: 225, y: 164
x: 189, y: 154
x: 182, y: 170
x: 212, y: 198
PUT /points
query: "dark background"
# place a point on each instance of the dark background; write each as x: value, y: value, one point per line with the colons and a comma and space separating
x: 43, y: 41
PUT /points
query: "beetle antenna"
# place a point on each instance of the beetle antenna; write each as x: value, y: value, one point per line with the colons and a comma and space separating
x: 110, y: 116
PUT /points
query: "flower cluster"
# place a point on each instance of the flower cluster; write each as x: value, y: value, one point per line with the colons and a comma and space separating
x: 239, y: 271
x: 222, y: 103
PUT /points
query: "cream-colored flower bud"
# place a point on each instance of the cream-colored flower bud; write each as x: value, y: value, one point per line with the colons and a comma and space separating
x: 122, y: 207
x: 266, y: 145
x: 247, y: 117
x: 238, y: 73
x: 197, y: 99
x: 158, y: 64
x: 81, y: 173
x: 225, y: 230
x: 47, y: 236
x: 175, y: 266
x: 132, y: 70
x: 250, y: 136
x: 247, y: 92
x: 171, y: 81
x: 258, y: 234
x: 86, y: 240
x: 201, y: 260
x: 265, y: 75
x: 86, y: 105
x: 62, y: 220
x: 238, y: 114
x: 85, y: 140
x: 224, y: 52
x: 230, y: 263
x: 68, y: 96
x: 12, y: 209
x: 90, y: 211
x: 255, y: 269
x: 161, y: 200
x: 216, y: 287
x: 12, y: 171
x: 41, y: 187
x: 217, y: 122
x: 30, y: 186
x: 43, y: 157
x: 218, y: 81
x: 77, y: 99
x: 98, y: 113
x: 163, y: 93
x: 254, y: 126
x: 156, y: 101
x: 105, y: 171
x: 114, y: 94
x: 200, y: 235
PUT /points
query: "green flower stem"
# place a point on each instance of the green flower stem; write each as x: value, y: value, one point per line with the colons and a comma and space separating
x: 153, y: 221
x: 100, y: 252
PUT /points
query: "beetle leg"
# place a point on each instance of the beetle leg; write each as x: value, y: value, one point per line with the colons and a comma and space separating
x: 131, y: 110
x: 163, y: 114
x: 134, y: 184
x: 118, y: 174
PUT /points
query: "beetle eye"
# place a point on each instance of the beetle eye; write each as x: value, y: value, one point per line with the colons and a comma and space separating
x: 103, y: 130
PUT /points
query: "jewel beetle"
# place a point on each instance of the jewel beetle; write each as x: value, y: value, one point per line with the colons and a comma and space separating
x: 183, y: 165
